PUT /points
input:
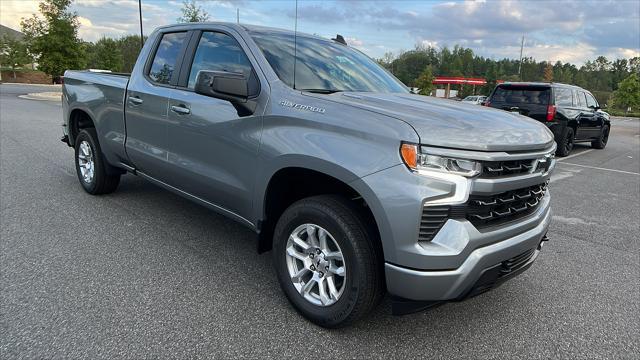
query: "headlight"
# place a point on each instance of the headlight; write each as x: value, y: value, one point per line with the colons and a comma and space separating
x: 417, y: 161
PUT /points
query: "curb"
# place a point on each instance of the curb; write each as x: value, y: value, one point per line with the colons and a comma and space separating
x: 43, y: 96
x: 29, y: 84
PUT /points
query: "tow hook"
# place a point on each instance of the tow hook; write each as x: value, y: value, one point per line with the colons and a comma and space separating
x: 542, y: 241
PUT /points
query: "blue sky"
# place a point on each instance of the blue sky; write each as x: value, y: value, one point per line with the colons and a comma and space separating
x: 569, y: 31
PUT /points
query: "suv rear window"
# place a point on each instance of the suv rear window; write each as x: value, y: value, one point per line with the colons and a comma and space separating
x: 521, y: 95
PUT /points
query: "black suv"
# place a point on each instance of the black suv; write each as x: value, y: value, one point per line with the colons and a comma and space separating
x: 571, y: 112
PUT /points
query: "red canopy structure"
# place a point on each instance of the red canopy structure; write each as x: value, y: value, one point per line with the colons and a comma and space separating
x: 459, y: 80
x: 448, y: 80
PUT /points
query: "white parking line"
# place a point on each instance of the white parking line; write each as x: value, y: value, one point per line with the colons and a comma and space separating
x: 605, y: 169
x: 574, y: 155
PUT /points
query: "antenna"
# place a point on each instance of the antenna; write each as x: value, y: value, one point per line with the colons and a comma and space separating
x: 141, y: 34
x: 295, y: 46
x: 340, y: 39
x: 520, y: 64
x: 238, y: 15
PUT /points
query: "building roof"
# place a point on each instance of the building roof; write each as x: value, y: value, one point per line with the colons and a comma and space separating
x: 4, y: 30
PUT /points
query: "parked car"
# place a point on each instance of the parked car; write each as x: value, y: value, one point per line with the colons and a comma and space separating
x: 355, y: 185
x: 475, y: 99
x: 571, y: 112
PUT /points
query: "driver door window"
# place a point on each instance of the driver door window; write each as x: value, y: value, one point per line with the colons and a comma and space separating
x: 218, y: 52
x: 591, y: 101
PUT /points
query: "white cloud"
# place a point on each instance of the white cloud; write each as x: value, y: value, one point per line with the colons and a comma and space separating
x: 354, y: 42
x: 575, y: 54
x: 12, y: 11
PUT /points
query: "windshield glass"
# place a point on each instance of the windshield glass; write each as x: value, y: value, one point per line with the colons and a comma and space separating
x: 323, y: 65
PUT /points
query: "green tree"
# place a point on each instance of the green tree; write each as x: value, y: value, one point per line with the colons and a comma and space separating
x: 191, y: 12
x: 628, y: 94
x: 13, y: 53
x: 130, y: 49
x: 53, y: 37
x: 105, y: 54
x: 634, y: 65
x: 425, y: 81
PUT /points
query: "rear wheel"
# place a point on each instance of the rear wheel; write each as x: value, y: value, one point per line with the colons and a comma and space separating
x: 326, y: 261
x: 566, y: 143
x: 602, y: 139
x: 91, y: 166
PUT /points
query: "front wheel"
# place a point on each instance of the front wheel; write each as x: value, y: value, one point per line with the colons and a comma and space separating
x: 326, y: 261
x: 565, y: 145
x: 91, y: 165
x: 602, y: 139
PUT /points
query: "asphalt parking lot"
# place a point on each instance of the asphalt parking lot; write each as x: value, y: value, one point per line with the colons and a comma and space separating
x: 143, y: 273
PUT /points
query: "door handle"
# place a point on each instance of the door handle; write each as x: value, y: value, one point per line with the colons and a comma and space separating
x: 180, y: 110
x: 135, y: 100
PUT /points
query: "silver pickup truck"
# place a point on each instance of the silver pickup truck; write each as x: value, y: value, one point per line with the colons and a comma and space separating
x: 357, y: 186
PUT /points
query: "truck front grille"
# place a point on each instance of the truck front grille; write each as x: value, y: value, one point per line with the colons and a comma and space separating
x: 494, y: 209
x: 483, y: 211
x: 493, y: 169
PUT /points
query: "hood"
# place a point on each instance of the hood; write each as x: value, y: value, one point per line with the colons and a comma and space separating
x: 453, y: 124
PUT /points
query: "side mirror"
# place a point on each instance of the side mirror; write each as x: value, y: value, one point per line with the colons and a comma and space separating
x: 223, y: 85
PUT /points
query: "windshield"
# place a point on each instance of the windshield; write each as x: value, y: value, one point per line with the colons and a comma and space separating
x: 324, y: 66
x: 470, y: 98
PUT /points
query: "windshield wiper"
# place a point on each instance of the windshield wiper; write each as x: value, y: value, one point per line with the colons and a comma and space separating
x: 321, y: 91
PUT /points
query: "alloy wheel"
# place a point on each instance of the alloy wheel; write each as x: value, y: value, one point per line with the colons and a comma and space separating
x: 316, y: 265
x: 86, y: 162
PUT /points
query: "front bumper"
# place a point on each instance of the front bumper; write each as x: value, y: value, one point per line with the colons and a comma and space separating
x: 456, y: 284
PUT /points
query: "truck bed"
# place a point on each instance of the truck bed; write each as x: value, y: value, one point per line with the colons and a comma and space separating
x: 100, y: 95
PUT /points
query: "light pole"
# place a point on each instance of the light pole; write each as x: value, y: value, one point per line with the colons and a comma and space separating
x: 140, y: 13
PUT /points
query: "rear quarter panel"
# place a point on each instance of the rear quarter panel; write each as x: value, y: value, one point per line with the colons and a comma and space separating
x: 101, y: 96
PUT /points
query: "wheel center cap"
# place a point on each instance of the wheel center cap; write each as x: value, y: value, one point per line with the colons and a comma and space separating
x: 320, y: 262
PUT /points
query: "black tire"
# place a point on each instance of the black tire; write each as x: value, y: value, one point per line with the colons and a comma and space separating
x: 603, y: 138
x: 364, y: 281
x: 565, y: 145
x: 101, y: 182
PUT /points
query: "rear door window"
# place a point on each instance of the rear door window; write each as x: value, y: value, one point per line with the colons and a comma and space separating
x: 564, y: 97
x: 522, y: 95
x: 166, y: 58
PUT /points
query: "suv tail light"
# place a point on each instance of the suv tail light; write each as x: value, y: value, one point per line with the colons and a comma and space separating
x: 551, y: 112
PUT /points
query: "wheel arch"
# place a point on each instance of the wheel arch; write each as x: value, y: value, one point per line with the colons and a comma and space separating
x: 79, y: 119
x: 306, y: 177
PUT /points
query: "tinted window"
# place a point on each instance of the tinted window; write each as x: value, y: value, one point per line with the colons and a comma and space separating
x: 591, y: 101
x: 166, y: 58
x: 218, y: 52
x: 580, y: 101
x: 521, y: 95
x: 323, y: 64
x: 564, y: 97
